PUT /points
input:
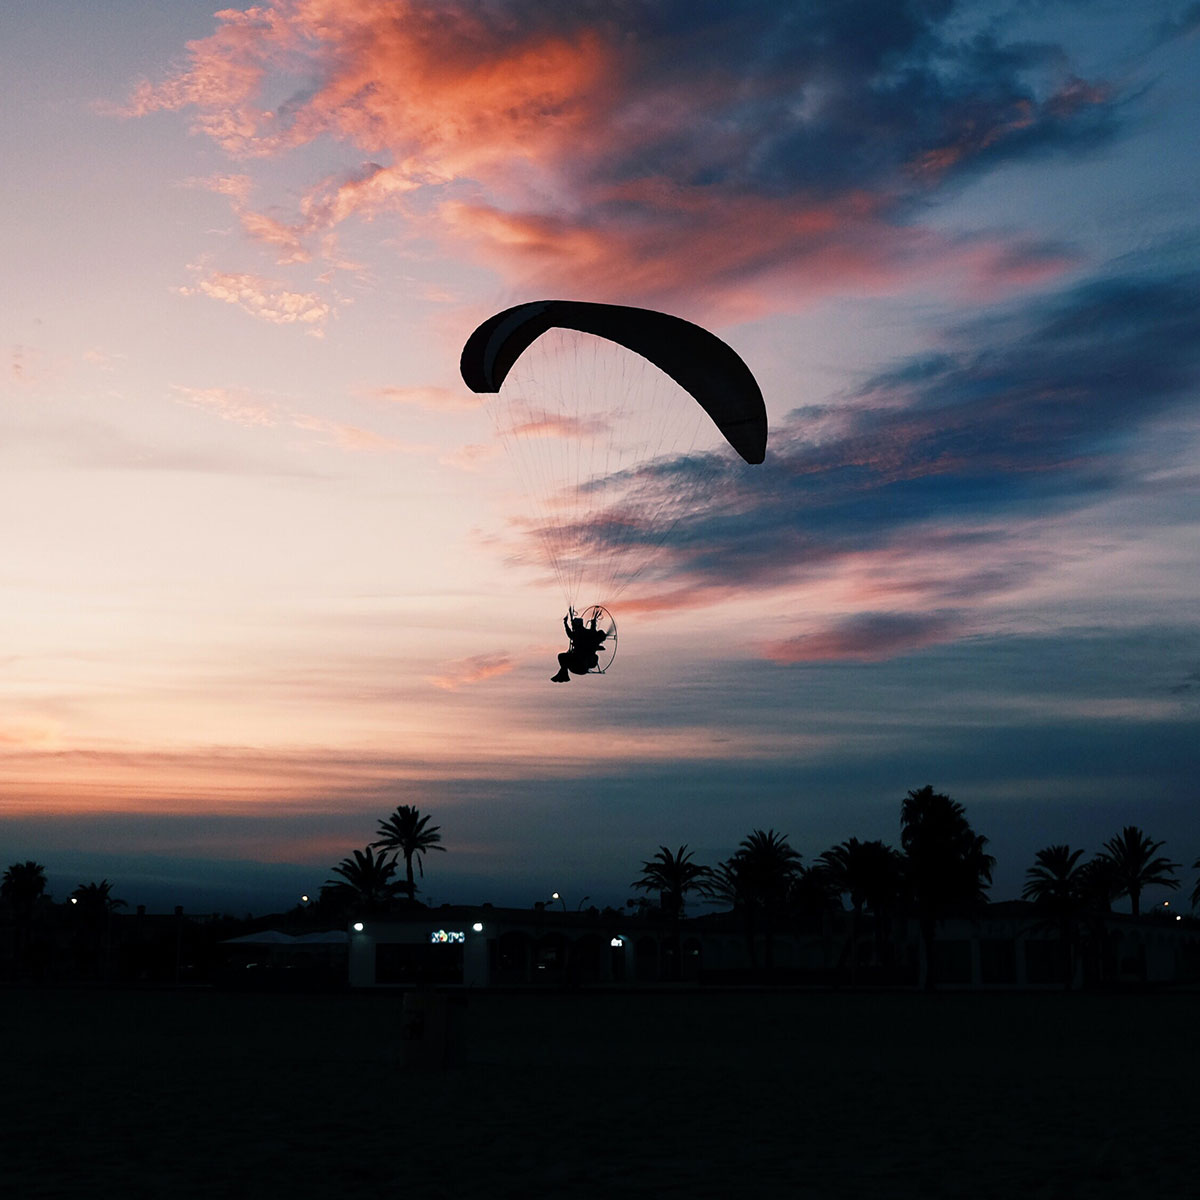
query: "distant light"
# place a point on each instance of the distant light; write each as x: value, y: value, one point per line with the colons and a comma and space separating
x: 74, y: 899
x: 555, y: 896
x: 303, y: 899
x: 616, y: 943
x: 1178, y: 917
x: 358, y: 927
x: 478, y: 927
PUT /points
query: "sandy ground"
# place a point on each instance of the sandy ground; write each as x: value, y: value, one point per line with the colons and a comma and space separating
x: 182, y: 1094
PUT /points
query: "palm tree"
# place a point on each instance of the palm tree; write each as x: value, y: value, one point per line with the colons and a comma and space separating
x: 366, y: 880
x: 947, y: 868
x: 870, y: 872
x: 757, y: 880
x: 409, y: 834
x: 1135, y: 867
x: 672, y: 876
x: 94, y: 904
x: 1057, y: 888
x: 21, y: 888
x: 1098, y: 886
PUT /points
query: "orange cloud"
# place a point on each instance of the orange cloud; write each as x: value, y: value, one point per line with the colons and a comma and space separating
x: 263, y: 298
x: 466, y: 671
x: 553, y: 149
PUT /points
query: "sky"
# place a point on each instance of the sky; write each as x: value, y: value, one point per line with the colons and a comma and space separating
x: 268, y: 571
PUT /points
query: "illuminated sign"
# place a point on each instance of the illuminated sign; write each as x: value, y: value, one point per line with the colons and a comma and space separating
x: 440, y: 937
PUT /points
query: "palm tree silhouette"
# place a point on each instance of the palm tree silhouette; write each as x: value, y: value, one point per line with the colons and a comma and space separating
x: 870, y: 872
x: 1196, y: 889
x: 94, y: 905
x: 1135, y: 867
x: 1057, y: 888
x: 947, y: 869
x: 757, y: 880
x: 411, y: 835
x: 21, y: 888
x: 366, y: 880
x: 672, y: 876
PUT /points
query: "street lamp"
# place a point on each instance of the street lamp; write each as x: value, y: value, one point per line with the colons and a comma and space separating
x: 556, y: 896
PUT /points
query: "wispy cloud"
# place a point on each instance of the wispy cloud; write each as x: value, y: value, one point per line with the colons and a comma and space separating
x: 475, y: 669
x: 924, y: 492
x: 263, y: 298
x: 251, y: 412
x: 866, y: 637
x: 745, y: 158
x: 428, y: 398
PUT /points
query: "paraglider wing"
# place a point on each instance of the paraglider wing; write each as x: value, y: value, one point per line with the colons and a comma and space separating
x: 697, y: 360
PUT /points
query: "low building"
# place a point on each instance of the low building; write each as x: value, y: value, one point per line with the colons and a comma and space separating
x: 1006, y: 946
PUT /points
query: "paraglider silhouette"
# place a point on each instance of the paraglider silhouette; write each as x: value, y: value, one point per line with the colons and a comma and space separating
x: 593, y: 403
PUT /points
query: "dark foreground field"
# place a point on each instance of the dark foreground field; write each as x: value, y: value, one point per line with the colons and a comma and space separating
x: 189, y: 1094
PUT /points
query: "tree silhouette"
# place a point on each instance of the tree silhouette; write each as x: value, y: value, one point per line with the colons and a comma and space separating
x: 871, y: 874
x: 1135, y: 867
x: 757, y: 880
x: 672, y: 876
x: 1056, y: 885
x: 22, y: 887
x: 1196, y: 889
x: 366, y: 880
x: 93, y: 905
x: 947, y: 868
x: 410, y: 835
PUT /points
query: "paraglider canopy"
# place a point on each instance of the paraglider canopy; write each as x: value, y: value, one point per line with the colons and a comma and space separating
x: 697, y: 360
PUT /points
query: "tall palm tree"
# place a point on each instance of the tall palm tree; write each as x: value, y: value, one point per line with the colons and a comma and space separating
x: 672, y: 876
x: 23, y: 884
x: 757, y: 880
x: 410, y: 835
x: 1135, y: 867
x: 870, y: 873
x: 21, y: 888
x: 947, y: 868
x: 1098, y: 887
x: 1056, y: 885
x: 366, y: 880
x: 94, y: 905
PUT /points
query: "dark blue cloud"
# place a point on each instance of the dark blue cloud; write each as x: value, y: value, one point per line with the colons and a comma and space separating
x: 1031, y: 410
x: 882, y: 96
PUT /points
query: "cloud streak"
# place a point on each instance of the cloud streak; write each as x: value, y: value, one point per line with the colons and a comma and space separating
x: 263, y: 298
x: 925, y: 487
x: 241, y: 408
x: 733, y: 158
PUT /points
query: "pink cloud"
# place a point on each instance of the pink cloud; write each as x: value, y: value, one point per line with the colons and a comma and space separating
x: 263, y: 298
x: 242, y: 408
x: 867, y: 637
x: 532, y: 142
x: 467, y: 671
x: 538, y: 423
x: 429, y: 398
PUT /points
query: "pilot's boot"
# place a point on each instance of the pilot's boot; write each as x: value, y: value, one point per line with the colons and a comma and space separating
x: 563, y: 676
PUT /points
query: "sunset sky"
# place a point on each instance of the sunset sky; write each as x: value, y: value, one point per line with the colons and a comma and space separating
x: 265, y: 569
